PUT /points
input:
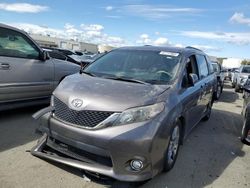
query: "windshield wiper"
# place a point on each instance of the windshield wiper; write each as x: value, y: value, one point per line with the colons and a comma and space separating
x: 128, y: 80
x: 88, y: 73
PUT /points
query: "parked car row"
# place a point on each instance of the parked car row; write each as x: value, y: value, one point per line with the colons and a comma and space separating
x: 240, y: 78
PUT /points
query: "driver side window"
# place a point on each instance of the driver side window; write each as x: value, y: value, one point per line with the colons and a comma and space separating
x: 15, y: 44
x: 191, y: 68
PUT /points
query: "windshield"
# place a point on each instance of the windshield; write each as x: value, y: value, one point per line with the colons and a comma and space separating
x: 246, y: 70
x: 153, y: 67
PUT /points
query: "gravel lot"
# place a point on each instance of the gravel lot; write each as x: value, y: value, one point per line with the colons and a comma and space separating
x: 212, y: 156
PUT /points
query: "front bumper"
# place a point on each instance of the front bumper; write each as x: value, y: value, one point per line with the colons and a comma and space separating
x: 119, y: 145
x: 38, y: 151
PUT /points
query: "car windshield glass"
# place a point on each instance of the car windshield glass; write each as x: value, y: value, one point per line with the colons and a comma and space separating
x: 246, y: 70
x: 155, y: 67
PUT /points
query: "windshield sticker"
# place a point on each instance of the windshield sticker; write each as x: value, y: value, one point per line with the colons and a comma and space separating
x: 173, y: 54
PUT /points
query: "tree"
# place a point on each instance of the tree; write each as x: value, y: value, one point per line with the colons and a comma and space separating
x: 245, y: 62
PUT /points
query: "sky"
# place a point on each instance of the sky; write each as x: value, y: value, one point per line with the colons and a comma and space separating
x: 220, y: 28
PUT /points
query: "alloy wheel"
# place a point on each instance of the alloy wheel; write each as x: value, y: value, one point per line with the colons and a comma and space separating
x: 218, y: 92
x: 173, y: 145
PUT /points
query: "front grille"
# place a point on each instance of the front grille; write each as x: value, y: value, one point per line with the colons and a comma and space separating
x: 85, y: 118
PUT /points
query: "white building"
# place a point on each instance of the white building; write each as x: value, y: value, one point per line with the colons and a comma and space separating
x: 47, y: 41
x: 104, y: 48
x: 231, y: 63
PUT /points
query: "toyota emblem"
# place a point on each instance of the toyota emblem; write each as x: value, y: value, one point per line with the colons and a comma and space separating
x: 77, y: 103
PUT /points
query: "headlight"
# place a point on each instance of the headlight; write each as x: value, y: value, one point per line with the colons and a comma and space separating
x: 52, y: 100
x: 139, y: 114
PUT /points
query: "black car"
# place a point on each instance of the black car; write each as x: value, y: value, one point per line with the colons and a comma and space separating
x: 220, y: 79
x: 70, y: 55
x: 55, y: 54
x: 245, y: 137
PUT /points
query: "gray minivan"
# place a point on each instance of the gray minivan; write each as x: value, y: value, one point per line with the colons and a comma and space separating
x: 126, y: 114
x: 28, y: 75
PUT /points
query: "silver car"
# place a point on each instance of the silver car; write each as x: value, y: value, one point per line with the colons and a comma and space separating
x: 241, y: 77
x: 27, y: 74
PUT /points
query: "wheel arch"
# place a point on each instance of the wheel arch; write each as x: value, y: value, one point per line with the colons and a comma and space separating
x: 183, y: 122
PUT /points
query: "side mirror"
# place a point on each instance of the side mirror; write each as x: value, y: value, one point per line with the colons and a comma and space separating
x: 193, y: 78
x: 44, y: 56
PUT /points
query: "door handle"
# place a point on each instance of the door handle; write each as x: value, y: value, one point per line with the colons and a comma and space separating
x: 5, y: 66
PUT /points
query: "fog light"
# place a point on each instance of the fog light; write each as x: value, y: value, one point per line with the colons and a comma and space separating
x: 136, y: 164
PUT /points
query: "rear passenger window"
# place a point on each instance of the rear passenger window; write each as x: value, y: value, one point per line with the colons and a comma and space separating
x: 202, y: 64
x: 191, y: 68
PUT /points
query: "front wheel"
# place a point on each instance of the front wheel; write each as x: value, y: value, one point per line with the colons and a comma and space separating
x: 245, y: 137
x: 173, y: 147
x: 219, y: 91
x: 208, y: 112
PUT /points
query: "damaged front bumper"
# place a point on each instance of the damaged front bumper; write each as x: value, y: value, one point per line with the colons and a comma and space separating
x: 96, y: 151
x: 40, y: 151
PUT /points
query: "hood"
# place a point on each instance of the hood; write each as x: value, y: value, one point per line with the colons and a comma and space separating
x: 244, y: 75
x: 105, y: 94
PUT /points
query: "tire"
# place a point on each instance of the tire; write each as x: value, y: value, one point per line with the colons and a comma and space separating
x: 173, y: 147
x: 236, y: 89
x: 245, y: 130
x: 208, y: 112
x: 219, y: 91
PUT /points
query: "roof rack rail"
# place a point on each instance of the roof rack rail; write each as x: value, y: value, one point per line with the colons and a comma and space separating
x: 190, y: 47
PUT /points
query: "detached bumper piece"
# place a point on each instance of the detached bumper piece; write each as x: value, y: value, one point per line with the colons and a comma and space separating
x: 53, y: 150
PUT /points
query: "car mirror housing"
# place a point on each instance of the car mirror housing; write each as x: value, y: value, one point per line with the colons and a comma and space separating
x: 44, y: 56
x: 193, y: 78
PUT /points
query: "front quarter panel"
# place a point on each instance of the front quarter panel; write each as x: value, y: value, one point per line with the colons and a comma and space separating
x: 64, y: 68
